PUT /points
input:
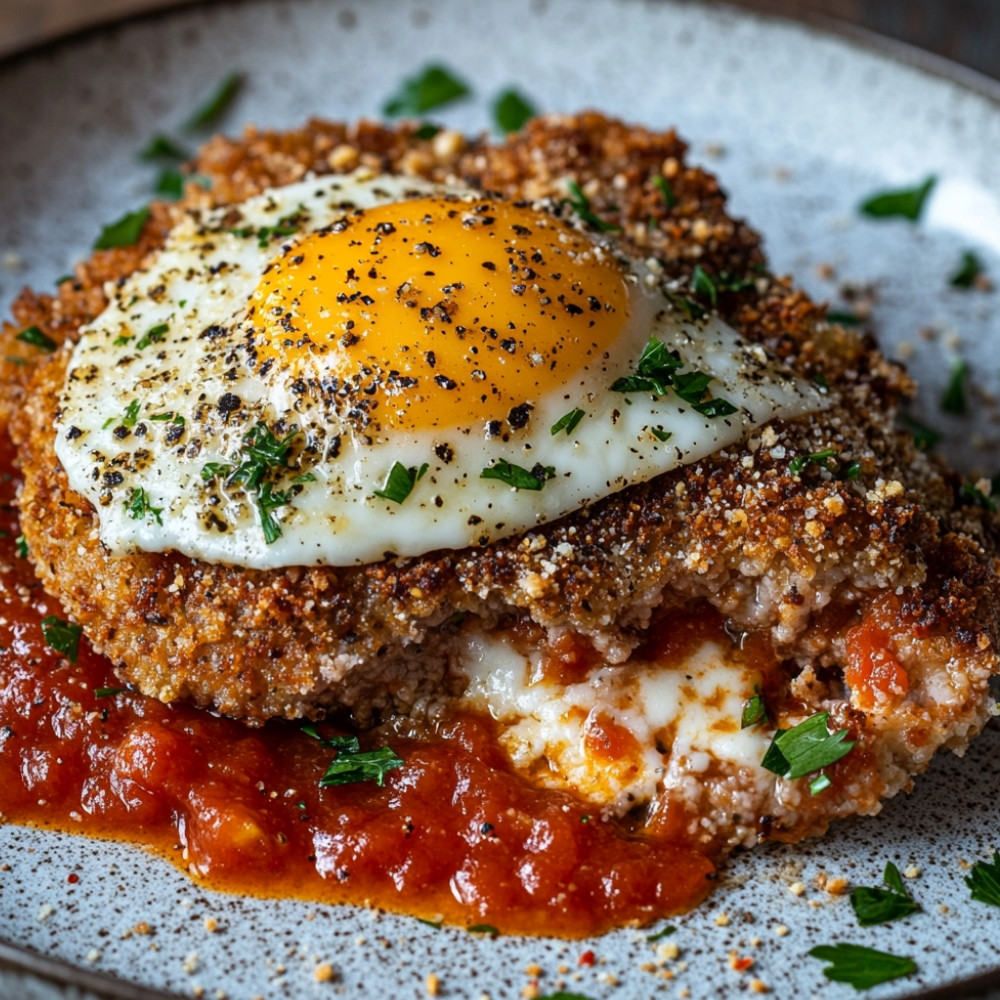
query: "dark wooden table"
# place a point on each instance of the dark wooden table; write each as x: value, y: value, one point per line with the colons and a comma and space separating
x: 967, y: 31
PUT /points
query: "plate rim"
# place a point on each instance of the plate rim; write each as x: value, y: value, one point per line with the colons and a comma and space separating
x: 20, y: 958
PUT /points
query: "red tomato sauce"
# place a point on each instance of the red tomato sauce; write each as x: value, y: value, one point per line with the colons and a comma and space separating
x: 453, y: 834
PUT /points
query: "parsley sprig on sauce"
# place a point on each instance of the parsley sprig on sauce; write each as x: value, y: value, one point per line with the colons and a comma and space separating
x: 62, y: 636
x: 806, y: 749
x: 861, y: 967
x: 876, y: 905
x: 352, y: 764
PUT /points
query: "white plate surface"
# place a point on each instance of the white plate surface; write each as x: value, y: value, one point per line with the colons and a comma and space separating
x: 800, y: 126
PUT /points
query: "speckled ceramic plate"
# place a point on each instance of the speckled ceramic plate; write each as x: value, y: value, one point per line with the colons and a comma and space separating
x: 800, y: 126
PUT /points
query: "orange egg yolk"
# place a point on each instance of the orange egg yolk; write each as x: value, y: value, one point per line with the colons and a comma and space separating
x: 438, y: 311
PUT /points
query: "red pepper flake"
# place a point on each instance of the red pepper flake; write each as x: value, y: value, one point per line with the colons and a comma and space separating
x: 738, y: 964
x: 72, y: 878
x: 588, y: 958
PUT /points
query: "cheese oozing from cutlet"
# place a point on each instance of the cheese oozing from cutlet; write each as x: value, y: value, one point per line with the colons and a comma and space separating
x: 356, y: 367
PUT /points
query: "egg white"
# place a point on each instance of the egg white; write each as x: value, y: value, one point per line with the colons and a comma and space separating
x: 140, y: 416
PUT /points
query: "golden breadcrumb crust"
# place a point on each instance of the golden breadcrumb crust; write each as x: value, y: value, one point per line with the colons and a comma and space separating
x: 801, y: 553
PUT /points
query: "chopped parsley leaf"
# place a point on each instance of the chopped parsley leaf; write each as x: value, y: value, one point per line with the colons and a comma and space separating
x: 22, y: 546
x: 567, y: 422
x: 261, y: 455
x: 37, y: 338
x: 666, y: 191
x: 427, y: 131
x: 400, y: 482
x: 953, y: 399
x: 304, y: 477
x: 806, y: 748
x: 861, y: 967
x: 654, y: 371
x: 797, y: 464
x: 924, y: 437
x: 659, y: 368
x: 138, y: 507
x: 974, y: 494
x: 432, y: 88
x: 108, y: 692
x: 162, y: 147
x: 352, y: 764
x: 123, y: 232
x: 970, y: 269
x: 131, y: 414
x: 717, y: 407
x: 436, y: 924
x: 580, y: 204
x: 483, y: 929
x: 853, y: 471
x: 875, y: 905
x: 754, y: 710
x: 819, y: 379
x: 153, y: 336
x: 703, y: 286
x: 984, y: 881
x: 170, y: 184
x: 843, y: 317
x: 267, y: 500
x: 63, y: 637
x: 902, y: 203
x: 660, y: 935
x: 518, y: 477
x: 512, y: 110
x: 660, y: 434
x: 216, y: 104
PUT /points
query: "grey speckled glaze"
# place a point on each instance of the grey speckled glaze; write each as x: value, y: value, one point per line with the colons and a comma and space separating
x: 799, y: 126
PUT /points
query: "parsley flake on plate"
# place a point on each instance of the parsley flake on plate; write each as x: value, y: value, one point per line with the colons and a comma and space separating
x: 512, y: 110
x: 875, y: 905
x: 797, y: 464
x: 216, y: 103
x: 861, y: 967
x: 900, y: 203
x: 666, y: 191
x: 968, y: 271
x: 162, y: 147
x: 432, y: 88
x: 984, y: 881
x: 924, y: 437
x: 953, y: 399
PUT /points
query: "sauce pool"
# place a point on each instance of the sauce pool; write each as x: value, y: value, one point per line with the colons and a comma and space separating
x: 453, y: 834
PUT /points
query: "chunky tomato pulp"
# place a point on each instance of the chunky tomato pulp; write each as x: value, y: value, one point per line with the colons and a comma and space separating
x: 453, y: 834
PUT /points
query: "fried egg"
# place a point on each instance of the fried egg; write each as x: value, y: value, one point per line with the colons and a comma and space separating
x: 360, y: 367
